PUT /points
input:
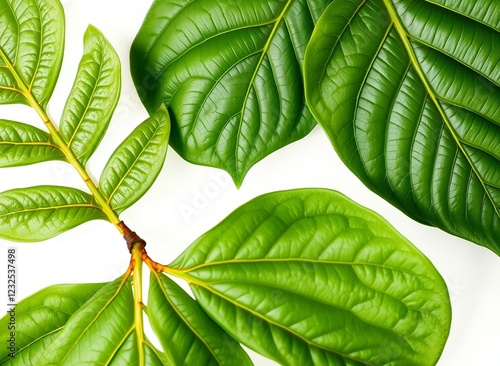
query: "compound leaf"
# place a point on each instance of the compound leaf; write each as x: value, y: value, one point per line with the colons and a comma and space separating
x: 308, y: 277
x: 22, y: 144
x: 93, y: 98
x: 39, y: 318
x: 231, y: 74
x: 42, y: 212
x: 135, y: 164
x: 99, y: 332
x: 31, y: 49
x: 186, y: 333
x: 409, y: 94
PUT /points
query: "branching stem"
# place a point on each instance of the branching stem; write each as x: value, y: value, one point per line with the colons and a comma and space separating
x: 137, y: 259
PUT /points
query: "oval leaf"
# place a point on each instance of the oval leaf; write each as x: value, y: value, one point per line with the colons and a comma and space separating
x: 186, y: 333
x: 38, y: 320
x: 409, y: 94
x: 31, y: 49
x: 308, y: 277
x: 40, y: 213
x: 231, y: 74
x: 135, y: 164
x: 96, y: 333
x: 94, y: 96
x: 22, y: 144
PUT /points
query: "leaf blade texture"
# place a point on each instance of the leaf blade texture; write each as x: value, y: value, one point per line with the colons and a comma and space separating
x: 42, y: 212
x: 23, y: 144
x: 308, y: 277
x: 231, y: 75
x: 98, y: 331
x: 409, y: 94
x: 135, y: 164
x: 31, y: 49
x: 93, y: 98
x: 40, y: 317
x: 186, y: 333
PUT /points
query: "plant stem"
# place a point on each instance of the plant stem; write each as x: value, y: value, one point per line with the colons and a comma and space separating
x: 59, y: 141
x: 137, y: 253
x: 61, y: 144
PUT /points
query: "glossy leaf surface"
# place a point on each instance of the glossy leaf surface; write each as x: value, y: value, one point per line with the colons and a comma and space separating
x: 39, y: 318
x: 22, y: 144
x: 231, y: 74
x: 31, y: 49
x: 308, y: 277
x: 135, y: 164
x: 100, y: 332
x: 93, y: 98
x: 186, y: 333
x: 42, y: 212
x: 409, y: 94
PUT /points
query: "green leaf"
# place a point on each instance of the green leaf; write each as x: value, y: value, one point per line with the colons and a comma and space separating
x: 42, y: 212
x: 409, y: 94
x: 94, y: 96
x: 135, y: 164
x: 186, y: 333
x: 308, y: 277
x: 98, y: 332
x: 231, y: 74
x: 38, y: 320
x: 31, y: 49
x: 22, y: 144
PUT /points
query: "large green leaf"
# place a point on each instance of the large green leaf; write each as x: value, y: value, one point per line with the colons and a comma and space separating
x: 100, y: 332
x: 93, y: 98
x: 39, y: 318
x: 135, y: 164
x: 31, y: 49
x: 308, y: 277
x: 231, y: 74
x: 409, y: 94
x: 186, y: 333
x: 42, y: 212
x: 22, y: 144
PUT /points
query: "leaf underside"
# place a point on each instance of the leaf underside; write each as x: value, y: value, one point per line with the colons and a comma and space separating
x: 31, y: 49
x: 231, y: 74
x: 308, y: 277
x: 409, y: 94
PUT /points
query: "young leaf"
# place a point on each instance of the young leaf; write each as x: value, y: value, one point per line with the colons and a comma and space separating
x: 136, y: 163
x: 231, y: 74
x: 409, y: 94
x: 308, y: 277
x: 38, y: 320
x: 40, y: 213
x: 94, y: 96
x: 22, y: 144
x: 186, y: 333
x: 31, y: 49
x: 96, y: 333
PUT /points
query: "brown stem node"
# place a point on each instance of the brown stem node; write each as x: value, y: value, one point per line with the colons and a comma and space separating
x: 131, y: 237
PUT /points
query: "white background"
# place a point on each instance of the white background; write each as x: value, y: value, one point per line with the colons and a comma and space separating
x: 188, y: 200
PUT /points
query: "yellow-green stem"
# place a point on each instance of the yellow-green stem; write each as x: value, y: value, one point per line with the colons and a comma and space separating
x: 137, y: 253
x: 61, y: 144
x: 59, y: 141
